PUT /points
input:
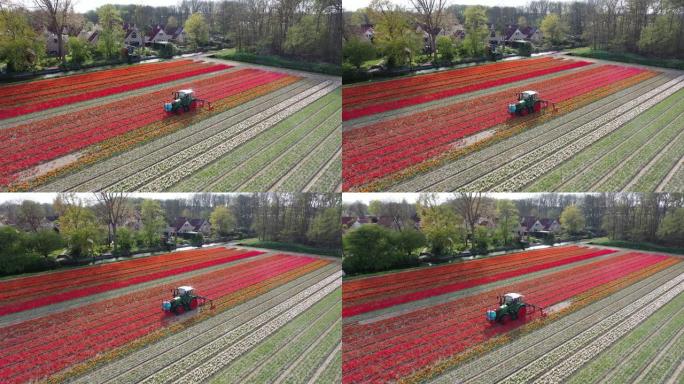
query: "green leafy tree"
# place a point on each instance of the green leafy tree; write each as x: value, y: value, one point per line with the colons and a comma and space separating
x: 20, y: 47
x: 30, y: 215
x: 124, y: 241
x: 445, y: 48
x: 302, y: 39
x: 153, y: 222
x: 356, y: 51
x: 79, y: 226
x: 326, y: 229
x: 197, y: 29
x: 393, y: 33
x: 440, y: 224
x: 671, y: 228
x: 369, y: 248
x: 554, y: 29
x: 660, y: 37
x: 46, y: 241
x: 481, y: 240
x: 476, y: 31
x: 79, y: 50
x: 375, y: 207
x: 409, y: 241
x: 507, y: 215
x: 222, y: 220
x: 572, y: 220
x: 111, y: 36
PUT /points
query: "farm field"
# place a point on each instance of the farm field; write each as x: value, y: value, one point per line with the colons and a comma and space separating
x: 265, y: 308
x: 108, y: 130
x: 401, y: 327
x: 451, y: 130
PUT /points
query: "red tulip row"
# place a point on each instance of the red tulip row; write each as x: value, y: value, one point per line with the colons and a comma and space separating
x: 378, y: 287
x: 40, y: 347
x: 31, y: 144
x: 389, y: 349
x: 93, y: 286
x: 379, y: 149
x: 396, y: 299
x: 483, y: 79
x: 38, y: 101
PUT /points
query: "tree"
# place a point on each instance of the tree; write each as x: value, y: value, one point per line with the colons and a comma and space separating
x: 171, y: 23
x: 19, y: 45
x: 46, y: 241
x: 470, y: 205
x: 197, y: 30
x: 409, y: 240
x: 431, y: 13
x: 445, y: 48
x: 124, y: 241
x: 30, y: 215
x: 440, y: 226
x: 476, y: 31
x: 153, y: 222
x: 79, y: 226
x: 375, y: 207
x: 481, y: 240
x: 507, y: 214
x: 114, y: 208
x: 57, y: 13
x: 671, y: 228
x: 222, y: 220
x: 522, y: 22
x: 369, y: 248
x: 356, y: 52
x: 393, y: 32
x: 326, y: 229
x: 554, y: 29
x: 572, y: 220
x: 111, y: 35
x: 79, y: 50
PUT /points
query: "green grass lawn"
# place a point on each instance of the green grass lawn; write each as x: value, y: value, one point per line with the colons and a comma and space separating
x: 627, y: 58
x: 290, y: 247
x: 277, y: 61
x: 634, y: 245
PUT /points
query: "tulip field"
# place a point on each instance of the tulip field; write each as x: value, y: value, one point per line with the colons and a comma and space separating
x: 451, y: 130
x: 429, y: 325
x: 105, y: 322
x: 108, y: 130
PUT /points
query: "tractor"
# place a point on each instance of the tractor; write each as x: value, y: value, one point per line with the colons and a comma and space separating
x: 184, y: 99
x: 184, y: 299
x: 512, y: 306
x: 528, y: 102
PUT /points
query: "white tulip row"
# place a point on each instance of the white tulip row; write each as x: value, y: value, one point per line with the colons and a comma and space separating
x: 188, y: 363
x: 462, y: 171
x: 128, y: 163
x: 519, y: 172
x: 565, y: 350
x: 217, y: 362
x: 570, y: 365
x: 187, y: 159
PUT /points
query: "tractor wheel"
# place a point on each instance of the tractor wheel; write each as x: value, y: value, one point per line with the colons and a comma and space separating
x: 522, y: 312
x: 194, y: 303
x: 180, y: 309
x: 505, y: 319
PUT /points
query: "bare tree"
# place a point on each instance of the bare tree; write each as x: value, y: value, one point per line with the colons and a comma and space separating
x: 469, y: 205
x: 431, y: 15
x: 114, y: 206
x: 57, y: 13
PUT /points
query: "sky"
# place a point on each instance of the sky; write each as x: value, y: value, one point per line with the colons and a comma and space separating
x: 412, y: 197
x: 49, y: 197
x: 353, y: 5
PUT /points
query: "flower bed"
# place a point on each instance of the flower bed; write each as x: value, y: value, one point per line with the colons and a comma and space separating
x: 51, y: 93
x: 27, y: 145
x: 35, y: 348
x: 37, y: 291
x: 379, y: 149
x: 388, y: 349
x: 374, y: 293
x: 384, y: 96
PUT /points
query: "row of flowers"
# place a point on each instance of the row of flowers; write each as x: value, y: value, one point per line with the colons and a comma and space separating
x: 75, y: 131
x: 466, y: 282
x: 427, y: 134
x: 425, y: 85
x: 359, y: 290
x: 76, y: 335
x: 520, y: 172
x: 76, y: 289
x: 415, y: 177
x: 546, y: 329
x: 38, y: 104
x: 384, y: 106
x: 389, y: 349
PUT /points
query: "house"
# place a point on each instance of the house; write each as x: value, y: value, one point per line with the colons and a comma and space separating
x: 530, y: 224
x: 390, y: 222
x: 514, y: 32
x: 456, y: 31
x: 50, y: 222
x: 52, y: 43
x: 157, y: 35
x: 367, y: 32
x: 185, y: 225
x: 180, y: 36
x: 133, y: 36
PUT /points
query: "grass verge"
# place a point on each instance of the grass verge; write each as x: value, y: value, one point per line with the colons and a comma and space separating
x: 277, y: 61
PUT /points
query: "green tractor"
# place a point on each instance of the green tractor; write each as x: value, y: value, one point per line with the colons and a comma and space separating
x: 528, y: 102
x: 184, y: 99
x: 512, y: 306
x: 184, y: 299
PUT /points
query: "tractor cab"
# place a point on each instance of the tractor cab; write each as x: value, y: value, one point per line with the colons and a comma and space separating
x: 183, y: 299
x: 184, y: 99
x: 528, y: 102
x: 527, y: 96
x: 512, y: 306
